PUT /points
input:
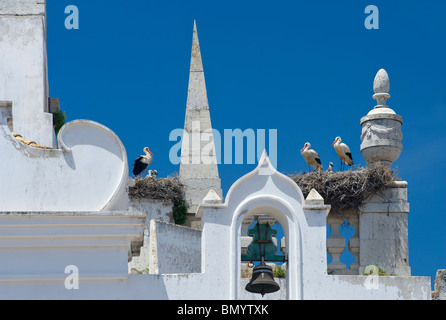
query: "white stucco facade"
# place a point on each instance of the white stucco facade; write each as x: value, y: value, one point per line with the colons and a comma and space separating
x: 68, y: 229
x: 99, y: 244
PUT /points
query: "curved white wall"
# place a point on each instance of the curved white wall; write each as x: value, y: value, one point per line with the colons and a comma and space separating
x: 89, y: 173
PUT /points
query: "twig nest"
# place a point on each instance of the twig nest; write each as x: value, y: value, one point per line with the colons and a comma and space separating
x: 170, y: 189
x: 347, y: 189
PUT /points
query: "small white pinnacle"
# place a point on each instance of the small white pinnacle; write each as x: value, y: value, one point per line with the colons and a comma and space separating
x: 212, y: 197
x: 314, y: 198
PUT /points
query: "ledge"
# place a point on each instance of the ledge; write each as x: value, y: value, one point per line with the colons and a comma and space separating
x: 381, y: 116
x: 72, y: 229
x: 62, y: 277
x: 16, y: 8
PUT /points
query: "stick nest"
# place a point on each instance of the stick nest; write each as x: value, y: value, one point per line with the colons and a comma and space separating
x: 347, y: 189
x: 165, y: 189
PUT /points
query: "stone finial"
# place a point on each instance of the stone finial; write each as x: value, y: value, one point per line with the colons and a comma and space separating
x: 381, y: 84
x: 212, y: 198
x: 381, y: 87
x: 314, y: 198
x: 381, y: 127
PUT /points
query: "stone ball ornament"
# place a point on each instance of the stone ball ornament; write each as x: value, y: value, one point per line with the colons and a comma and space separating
x: 381, y: 128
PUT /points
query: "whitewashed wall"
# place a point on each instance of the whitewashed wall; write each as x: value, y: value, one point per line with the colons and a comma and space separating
x: 154, y: 210
x: 65, y: 179
x: 174, y: 249
x: 23, y: 68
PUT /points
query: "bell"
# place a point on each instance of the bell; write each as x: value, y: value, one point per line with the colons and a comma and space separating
x: 262, y: 280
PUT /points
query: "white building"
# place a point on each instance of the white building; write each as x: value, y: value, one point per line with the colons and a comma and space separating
x: 71, y: 234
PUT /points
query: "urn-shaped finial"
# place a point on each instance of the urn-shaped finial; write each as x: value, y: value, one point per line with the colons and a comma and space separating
x: 381, y: 127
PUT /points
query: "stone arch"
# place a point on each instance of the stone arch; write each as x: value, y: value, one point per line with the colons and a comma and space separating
x: 290, y: 220
x: 262, y: 191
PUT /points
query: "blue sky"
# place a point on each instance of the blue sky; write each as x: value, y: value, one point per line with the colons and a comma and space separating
x: 303, y: 68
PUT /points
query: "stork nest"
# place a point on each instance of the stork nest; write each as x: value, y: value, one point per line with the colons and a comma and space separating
x: 165, y: 189
x: 347, y: 189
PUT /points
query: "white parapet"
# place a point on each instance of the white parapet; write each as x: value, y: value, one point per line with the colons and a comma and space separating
x: 174, y: 249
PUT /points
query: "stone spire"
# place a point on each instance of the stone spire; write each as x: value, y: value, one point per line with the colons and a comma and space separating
x: 198, y: 169
x: 197, y: 97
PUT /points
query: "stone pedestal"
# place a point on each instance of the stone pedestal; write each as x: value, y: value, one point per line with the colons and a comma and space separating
x: 383, y: 229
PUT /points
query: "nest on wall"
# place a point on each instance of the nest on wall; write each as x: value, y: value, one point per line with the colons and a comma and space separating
x: 165, y: 189
x: 347, y: 189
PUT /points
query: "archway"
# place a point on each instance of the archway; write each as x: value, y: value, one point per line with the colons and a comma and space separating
x: 280, y: 210
x: 262, y: 242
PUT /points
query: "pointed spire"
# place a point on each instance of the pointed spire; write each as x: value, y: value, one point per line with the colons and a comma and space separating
x: 196, y: 65
x: 198, y: 168
x: 197, y: 96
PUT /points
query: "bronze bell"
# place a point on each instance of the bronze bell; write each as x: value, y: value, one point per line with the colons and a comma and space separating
x: 262, y: 280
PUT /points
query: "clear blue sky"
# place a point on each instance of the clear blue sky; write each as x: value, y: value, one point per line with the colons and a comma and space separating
x: 303, y: 68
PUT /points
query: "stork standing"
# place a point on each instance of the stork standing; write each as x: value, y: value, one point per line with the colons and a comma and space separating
x: 311, y: 157
x: 343, y: 152
x: 330, y: 167
x: 142, y: 162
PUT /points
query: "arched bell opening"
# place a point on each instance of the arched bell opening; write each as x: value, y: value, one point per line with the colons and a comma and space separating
x: 262, y: 261
x: 267, y: 211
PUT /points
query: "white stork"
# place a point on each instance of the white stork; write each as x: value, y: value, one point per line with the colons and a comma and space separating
x: 343, y: 152
x: 330, y: 167
x: 153, y: 173
x: 142, y: 162
x: 311, y: 157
